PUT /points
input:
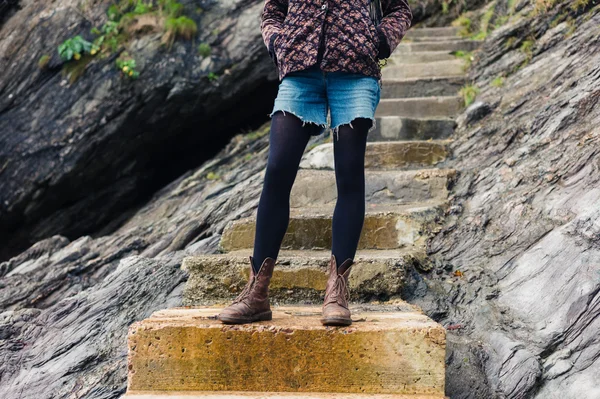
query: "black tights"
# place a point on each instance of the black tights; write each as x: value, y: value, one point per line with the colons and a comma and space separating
x: 287, y: 142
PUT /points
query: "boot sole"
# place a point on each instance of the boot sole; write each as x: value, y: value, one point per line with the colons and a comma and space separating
x: 264, y: 316
x: 333, y: 321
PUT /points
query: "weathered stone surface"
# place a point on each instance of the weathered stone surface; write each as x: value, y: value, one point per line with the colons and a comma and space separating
x: 432, y: 69
x: 524, y: 234
x: 384, y: 351
x: 420, y: 107
x: 422, y: 87
x: 300, y: 276
x: 474, y: 113
x: 419, y: 58
x: 432, y: 32
x: 385, y: 227
x: 75, y: 157
x: 384, y: 155
x: 450, y: 45
x: 395, y: 128
x: 315, y: 188
x: 268, y: 395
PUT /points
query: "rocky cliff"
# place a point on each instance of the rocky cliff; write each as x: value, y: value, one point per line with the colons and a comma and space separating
x: 517, y: 276
x: 80, y: 144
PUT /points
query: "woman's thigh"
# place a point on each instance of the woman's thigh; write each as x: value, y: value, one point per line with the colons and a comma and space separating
x: 303, y: 94
x: 350, y: 96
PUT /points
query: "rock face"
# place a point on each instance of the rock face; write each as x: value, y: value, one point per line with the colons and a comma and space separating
x: 526, y: 235
x: 74, y: 157
x: 516, y: 280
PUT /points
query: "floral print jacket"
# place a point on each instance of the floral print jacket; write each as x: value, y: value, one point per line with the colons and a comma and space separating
x: 337, y: 34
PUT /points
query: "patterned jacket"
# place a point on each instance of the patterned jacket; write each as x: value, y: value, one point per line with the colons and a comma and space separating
x: 337, y: 34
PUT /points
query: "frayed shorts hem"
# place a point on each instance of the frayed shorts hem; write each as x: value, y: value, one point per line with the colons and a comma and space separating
x: 304, y: 119
x: 328, y: 99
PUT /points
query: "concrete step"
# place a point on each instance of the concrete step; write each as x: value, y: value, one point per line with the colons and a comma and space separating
x: 384, y: 155
x: 268, y: 395
x: 420, y: 107
x: 387, y: 350
x: 432, y: 32
x: 315, y: 188
x: 454, y: 67
x: 422, y: 87
x: 300, y: 276
x: 450, y: 45
x: 419, y: 58
x: 392, y: 128
x: 385, y: 227
x: 444, y: 38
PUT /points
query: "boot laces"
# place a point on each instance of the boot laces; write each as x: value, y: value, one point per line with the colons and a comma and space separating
x: 246, y: 291
x: 339, y: 286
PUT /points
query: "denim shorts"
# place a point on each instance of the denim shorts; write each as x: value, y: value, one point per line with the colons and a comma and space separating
x: 312, y: 95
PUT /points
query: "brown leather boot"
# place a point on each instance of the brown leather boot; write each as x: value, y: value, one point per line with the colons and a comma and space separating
x: 252, y: 304
x: 335, y: 306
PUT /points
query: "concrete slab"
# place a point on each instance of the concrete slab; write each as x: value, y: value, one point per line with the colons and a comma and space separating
x: 315, y: 188
x: 300, y: 276
x: 432, y: 32
x: 384, y: 155
x: 422, y: 87
x: 450, y: 45
x: 454, y: 67
x: 395, y: 128
x: 385, y: 227
x: 420, y: 107
x: 385, y: 351
x: 419, y: 58
x: 267, y: 395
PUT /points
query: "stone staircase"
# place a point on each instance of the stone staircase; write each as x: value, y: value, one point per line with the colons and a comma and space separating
x: 391, y: 350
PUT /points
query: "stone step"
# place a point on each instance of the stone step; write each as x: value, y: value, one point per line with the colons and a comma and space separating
x: 300, y: 276
x: 384, y: 155
x: 268, y: 395
x: 419, y: 58
x: 385, y: 227
x: 433, y: 32
x: 392, y: 128
x: 450, y: 45
x: 422, y: 87
x: 454, y: 67
x: 420, y: 107
x: 444, y: 38
x: 315, y: 188
x: 387, y: 350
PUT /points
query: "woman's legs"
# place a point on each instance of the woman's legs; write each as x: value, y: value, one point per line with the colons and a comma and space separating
x: 349, y: 214
x: 287, y: 142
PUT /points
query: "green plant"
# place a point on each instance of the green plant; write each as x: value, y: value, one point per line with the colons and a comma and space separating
x: 445, y: 7
x: 73, y: 48
x: 204, y: 49
x: 212, y: 76
x: 127, y: 65
x: 577, y: 4
x: 142, y: 8
x: 498, y: 81
x: 171, y: 8
x: 466, y: 56
x: 527, y: 48
x: 463, y: 22
x: 510, y: 42
x: 543, y: 6
x: 43, y: 61
x: 179, y: 27
x: 212, y: 176
x: 469, y: 93
x: 484, y: 24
